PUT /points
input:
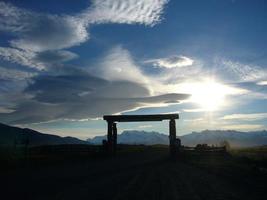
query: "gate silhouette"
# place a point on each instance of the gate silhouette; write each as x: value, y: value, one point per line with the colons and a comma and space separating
x: 112, y: 128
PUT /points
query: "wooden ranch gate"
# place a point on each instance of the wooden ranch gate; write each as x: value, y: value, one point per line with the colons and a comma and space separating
x: 112, y: 128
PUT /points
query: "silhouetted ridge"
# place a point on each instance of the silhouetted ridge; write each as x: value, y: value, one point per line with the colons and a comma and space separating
x: 10, y: 135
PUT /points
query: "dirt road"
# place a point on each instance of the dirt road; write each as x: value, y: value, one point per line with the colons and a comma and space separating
x: 143, y: 175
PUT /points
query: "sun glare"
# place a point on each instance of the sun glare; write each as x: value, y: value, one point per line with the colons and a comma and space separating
x: 209, y: 94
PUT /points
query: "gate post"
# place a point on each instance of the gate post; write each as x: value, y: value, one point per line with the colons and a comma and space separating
x: 172, y: 137
x: 114, y: 137
x: 109, y: 137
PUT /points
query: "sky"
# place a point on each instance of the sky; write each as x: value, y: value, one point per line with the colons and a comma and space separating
x: 65, y: 64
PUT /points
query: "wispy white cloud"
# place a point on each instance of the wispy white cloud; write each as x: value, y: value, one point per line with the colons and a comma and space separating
x: 63, y: 31
x: 60, y: 32
x: 246, y: 117
x: 40, y: 32
x: 21, y: 57
x: 37, y: 60
x: 117, y: 85
x: 146, y: 12
x: 14, y: 74
x: 243, y: 72
x: 244, y: 127
x: 12, y: 18
x: 119, y: 65
x: 262, y: 83
x: 171, y: 62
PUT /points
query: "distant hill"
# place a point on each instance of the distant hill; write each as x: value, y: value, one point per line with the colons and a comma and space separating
x: 235, y: 138
x: 9, y: 135
x: 135, y: 137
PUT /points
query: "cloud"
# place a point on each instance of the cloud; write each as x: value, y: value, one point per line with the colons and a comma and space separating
x: 5, y: 110
x: 242, y: 72
x: 14, y: 74
x: 12, y: 94
x: 39, y: 40
x: 255, y: 90
x: 13, y: 19
x: 57, y: 97
x: 51, y: 32
x: 55, y: 57
x: 146, y: 12
x: 246, y: 117
x: 118, y: 64
x: 33, y: 33
x: 172, y: 62
x: 65, y: 92
x: 40, y: 32
x: 246, y: 127
x: 262, y: 83
x: 36, y: 60
x: 21, y: 57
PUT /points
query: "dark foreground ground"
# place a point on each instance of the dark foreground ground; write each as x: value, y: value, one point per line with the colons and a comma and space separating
x: 136, y: 173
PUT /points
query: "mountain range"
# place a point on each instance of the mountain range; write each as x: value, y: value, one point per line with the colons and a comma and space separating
x: 210, y: 137
x: 10, y: 135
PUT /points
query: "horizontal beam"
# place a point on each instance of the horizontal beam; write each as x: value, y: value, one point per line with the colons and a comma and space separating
x: 139, y: 118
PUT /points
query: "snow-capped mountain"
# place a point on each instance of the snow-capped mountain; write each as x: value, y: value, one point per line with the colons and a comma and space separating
x: 135, y: 137
x: 235, y: 138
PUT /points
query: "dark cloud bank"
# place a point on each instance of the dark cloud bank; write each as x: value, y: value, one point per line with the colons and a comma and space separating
x: 78, y: 96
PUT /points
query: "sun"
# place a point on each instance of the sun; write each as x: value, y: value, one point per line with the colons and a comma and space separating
x: 209, y: 94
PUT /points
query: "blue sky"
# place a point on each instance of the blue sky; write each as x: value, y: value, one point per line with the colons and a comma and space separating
x: 64, y: 64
